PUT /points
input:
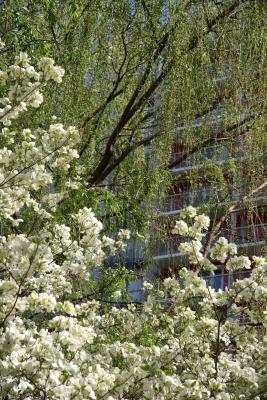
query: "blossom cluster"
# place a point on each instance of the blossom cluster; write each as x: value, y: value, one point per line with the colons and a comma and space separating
x: 22, y: 84
x: 195, y: 230
x: 27, y: 156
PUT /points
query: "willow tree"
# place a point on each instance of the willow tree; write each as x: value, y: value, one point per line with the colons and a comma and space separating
x: 137, y: 70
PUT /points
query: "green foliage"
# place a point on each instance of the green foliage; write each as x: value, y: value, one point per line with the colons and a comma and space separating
x: 135, y: 71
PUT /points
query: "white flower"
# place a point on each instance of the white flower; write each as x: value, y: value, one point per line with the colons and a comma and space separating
x: 261, y: 293
x: 87, y: 221
x: 259, y: 261
x: 3, y: 77
x: 107, y: 241
x: 189, y: 211
x: 31, y: 73
x: 193, y: 248
x: 23, y: 59
x: 185, y: 247
x: 240, y: 262
x: 180, y: 228
x: 222, y: 249
x: 147, y: 285
x: 2, y: 44
x: 209, y: 322
x: 124, y: 234
x: 116, y: 295
x: 202, y: 221
x: 36, y: 99
x: 68, y: 308
x: 57, y: 130
x: 50, y: 70
x: 43, y: 301
x: 169, y: 283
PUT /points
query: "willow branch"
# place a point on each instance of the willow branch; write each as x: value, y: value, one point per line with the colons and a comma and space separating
x: 233, y: 208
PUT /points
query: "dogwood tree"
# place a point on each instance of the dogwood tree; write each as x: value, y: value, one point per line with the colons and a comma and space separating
x: 58, y: 340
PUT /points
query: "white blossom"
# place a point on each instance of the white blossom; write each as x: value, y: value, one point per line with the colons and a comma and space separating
x: 147, y: 285
x: 240, y: 262
x: 181, y: 228
x: 222, y: 249
x: 2, y: 44
x: 189, y: 212
x: 124, y: 234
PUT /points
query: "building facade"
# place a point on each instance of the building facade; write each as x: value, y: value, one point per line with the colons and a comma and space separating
x: 246, y: 227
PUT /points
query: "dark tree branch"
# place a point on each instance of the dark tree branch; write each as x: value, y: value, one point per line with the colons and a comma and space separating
x: 127, y: 114
x: 54, y: 37
x: 114, y: 92
x: 147, y: 12
x: 213, y: 140
x: 135, y: 102
x: 124, y: 154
